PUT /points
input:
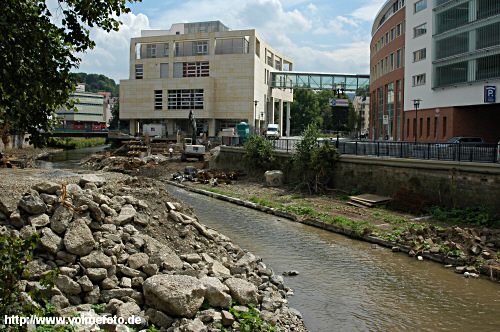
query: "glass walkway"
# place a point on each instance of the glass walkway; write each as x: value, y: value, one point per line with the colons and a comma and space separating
x: 318, y: 81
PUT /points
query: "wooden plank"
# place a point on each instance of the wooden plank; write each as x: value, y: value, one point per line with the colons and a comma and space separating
x: 362, y: 202
x: 357, y: 205
x: 370, y: 198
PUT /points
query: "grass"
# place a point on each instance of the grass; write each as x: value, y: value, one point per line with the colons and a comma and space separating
x: 76, y: 143
x: 389, y: 218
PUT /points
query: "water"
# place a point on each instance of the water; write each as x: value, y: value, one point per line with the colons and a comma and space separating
x: 69, y: 158
x: 345, y: 285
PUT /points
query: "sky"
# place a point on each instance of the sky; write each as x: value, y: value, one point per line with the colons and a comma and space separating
x: 319, y: 35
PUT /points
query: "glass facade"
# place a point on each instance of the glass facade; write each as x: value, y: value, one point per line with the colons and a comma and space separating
x: 462, y: 35
x: 389, y: 90
x: 380, y: 113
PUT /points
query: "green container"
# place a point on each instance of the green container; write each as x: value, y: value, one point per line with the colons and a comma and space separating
x: 243, y: 130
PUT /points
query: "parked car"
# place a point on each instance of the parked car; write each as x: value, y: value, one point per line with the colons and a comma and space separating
x: 272, y: 131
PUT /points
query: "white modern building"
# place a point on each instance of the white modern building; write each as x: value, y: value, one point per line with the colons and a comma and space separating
x: 362, y: 108
x: 223, y: 76
x: 452, y: 67
x: 89, y: 115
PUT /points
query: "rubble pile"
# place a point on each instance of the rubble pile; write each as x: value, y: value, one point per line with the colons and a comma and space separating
x: 147, y: 257
x: 469, y: 246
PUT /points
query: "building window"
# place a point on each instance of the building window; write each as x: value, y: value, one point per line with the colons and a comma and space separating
x: 420, y: 30
x: 138, y: 71
x: 398, y: 58
x: 202, y: 47
x: 421, y: 129
x: 453, y: 18
x: 391, y: 57
x: 452, y: 74
x: 191, y: 69
x: 418, y: 80
x: 195, y: 69
x: 191, y: 48
x: 419, y: 55
x: 407, y: 128
x: 453, y: 45
x: 487, y: 8
x: 257, y: 47
x: 488, y: 36
x: 232, y: 46
x: 158, y: 100
x: 488, y: 67
x: 185, y: 99
x: 420, y: 5
x: 398, y: 30
x: 164, y: 50
x: 151, y: 51
x: 163, y: 70
x: 444, y: 126
x: 435, y: 126
x: 428, y: 127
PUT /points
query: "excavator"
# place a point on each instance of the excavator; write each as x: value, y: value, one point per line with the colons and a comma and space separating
x: 190, y: 149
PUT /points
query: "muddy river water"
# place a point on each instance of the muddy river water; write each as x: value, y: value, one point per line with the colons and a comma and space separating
x: 344, y: 284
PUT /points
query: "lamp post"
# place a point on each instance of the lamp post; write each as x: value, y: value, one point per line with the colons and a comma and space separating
x: 255, y: 102
x: 416, y: 104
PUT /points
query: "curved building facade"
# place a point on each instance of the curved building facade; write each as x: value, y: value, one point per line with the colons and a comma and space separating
x: 453, y: 68
x: 387, y: 49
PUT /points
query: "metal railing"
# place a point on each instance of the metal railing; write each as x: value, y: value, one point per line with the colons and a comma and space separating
x: 463, y: 152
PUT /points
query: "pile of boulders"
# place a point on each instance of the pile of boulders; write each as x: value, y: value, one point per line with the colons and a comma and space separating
x: 147, y: 257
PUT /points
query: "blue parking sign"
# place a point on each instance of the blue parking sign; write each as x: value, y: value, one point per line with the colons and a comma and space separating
x: 490, y: 94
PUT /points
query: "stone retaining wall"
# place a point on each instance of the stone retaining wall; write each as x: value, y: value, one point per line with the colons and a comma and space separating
x: 412, y: 184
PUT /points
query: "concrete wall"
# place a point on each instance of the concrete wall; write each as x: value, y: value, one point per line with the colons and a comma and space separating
x: 412, y: 184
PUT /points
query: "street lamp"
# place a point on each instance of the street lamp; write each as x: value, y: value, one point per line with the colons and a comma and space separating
x: 416, y: 104
x: 255, y: 102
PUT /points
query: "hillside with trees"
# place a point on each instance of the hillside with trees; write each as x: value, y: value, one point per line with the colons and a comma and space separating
x: 97, y: 82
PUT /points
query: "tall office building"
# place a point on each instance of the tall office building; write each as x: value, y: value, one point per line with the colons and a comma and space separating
x: 451, y: 70
x: 223, y: 76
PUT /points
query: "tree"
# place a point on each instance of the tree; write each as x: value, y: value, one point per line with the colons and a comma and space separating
x: 305, y: 109
x: 97, y: 83
x: 37, y: 55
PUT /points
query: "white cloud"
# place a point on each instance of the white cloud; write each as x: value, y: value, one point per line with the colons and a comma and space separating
x: 369, y: 10
x: 305, y: 34
x: 112, y: 51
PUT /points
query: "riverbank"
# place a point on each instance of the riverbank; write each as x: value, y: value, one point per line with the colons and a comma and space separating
x: 138, y: 252
x: 459, y: 238
x: 26, y: 157
x: 470, y: 250
x: 72, y: 143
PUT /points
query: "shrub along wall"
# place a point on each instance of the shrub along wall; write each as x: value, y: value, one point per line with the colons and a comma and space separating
x: 413, y: 184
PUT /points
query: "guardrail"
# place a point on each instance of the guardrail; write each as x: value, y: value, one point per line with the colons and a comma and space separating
x: 484, y: 153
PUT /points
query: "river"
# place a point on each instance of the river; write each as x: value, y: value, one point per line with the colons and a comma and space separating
x: 347, y: 285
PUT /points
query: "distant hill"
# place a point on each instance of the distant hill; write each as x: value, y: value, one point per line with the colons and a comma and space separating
x: 97, y: 82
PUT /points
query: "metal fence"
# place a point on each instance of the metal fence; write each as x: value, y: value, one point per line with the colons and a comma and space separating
x: 484, y: 153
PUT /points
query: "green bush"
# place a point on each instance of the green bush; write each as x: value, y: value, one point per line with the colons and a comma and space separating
x: 250, y: 320
x: 476, y: 216
x: 314, y: 161
x: 259, y: 152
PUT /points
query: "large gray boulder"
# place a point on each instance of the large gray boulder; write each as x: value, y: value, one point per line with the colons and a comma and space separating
x: 50, y: 241
x: 40, y: 220
x: 32, y: 204
x: 136, y: 261
x: 176, y: 295
x: 47, y: 187
x: 242, y: 291
x: 60, y: 219
x: 96, y: 274
x: 96, y: 259
x: 128, y: 309
x: 68, y: 286
x: 92, y: 178
x: 127, y: 214
x: 160, y: 254
x: 274, y: 178
x: 78, y: 239
x: 217, y: 293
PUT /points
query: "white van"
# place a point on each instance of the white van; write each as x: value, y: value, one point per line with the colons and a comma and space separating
x: 273, y: 131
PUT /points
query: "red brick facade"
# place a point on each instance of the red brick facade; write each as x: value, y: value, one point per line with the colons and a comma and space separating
x: 382, y: 80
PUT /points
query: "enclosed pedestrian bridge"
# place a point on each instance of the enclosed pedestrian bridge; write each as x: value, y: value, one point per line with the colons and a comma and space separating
x: 319, y: 81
